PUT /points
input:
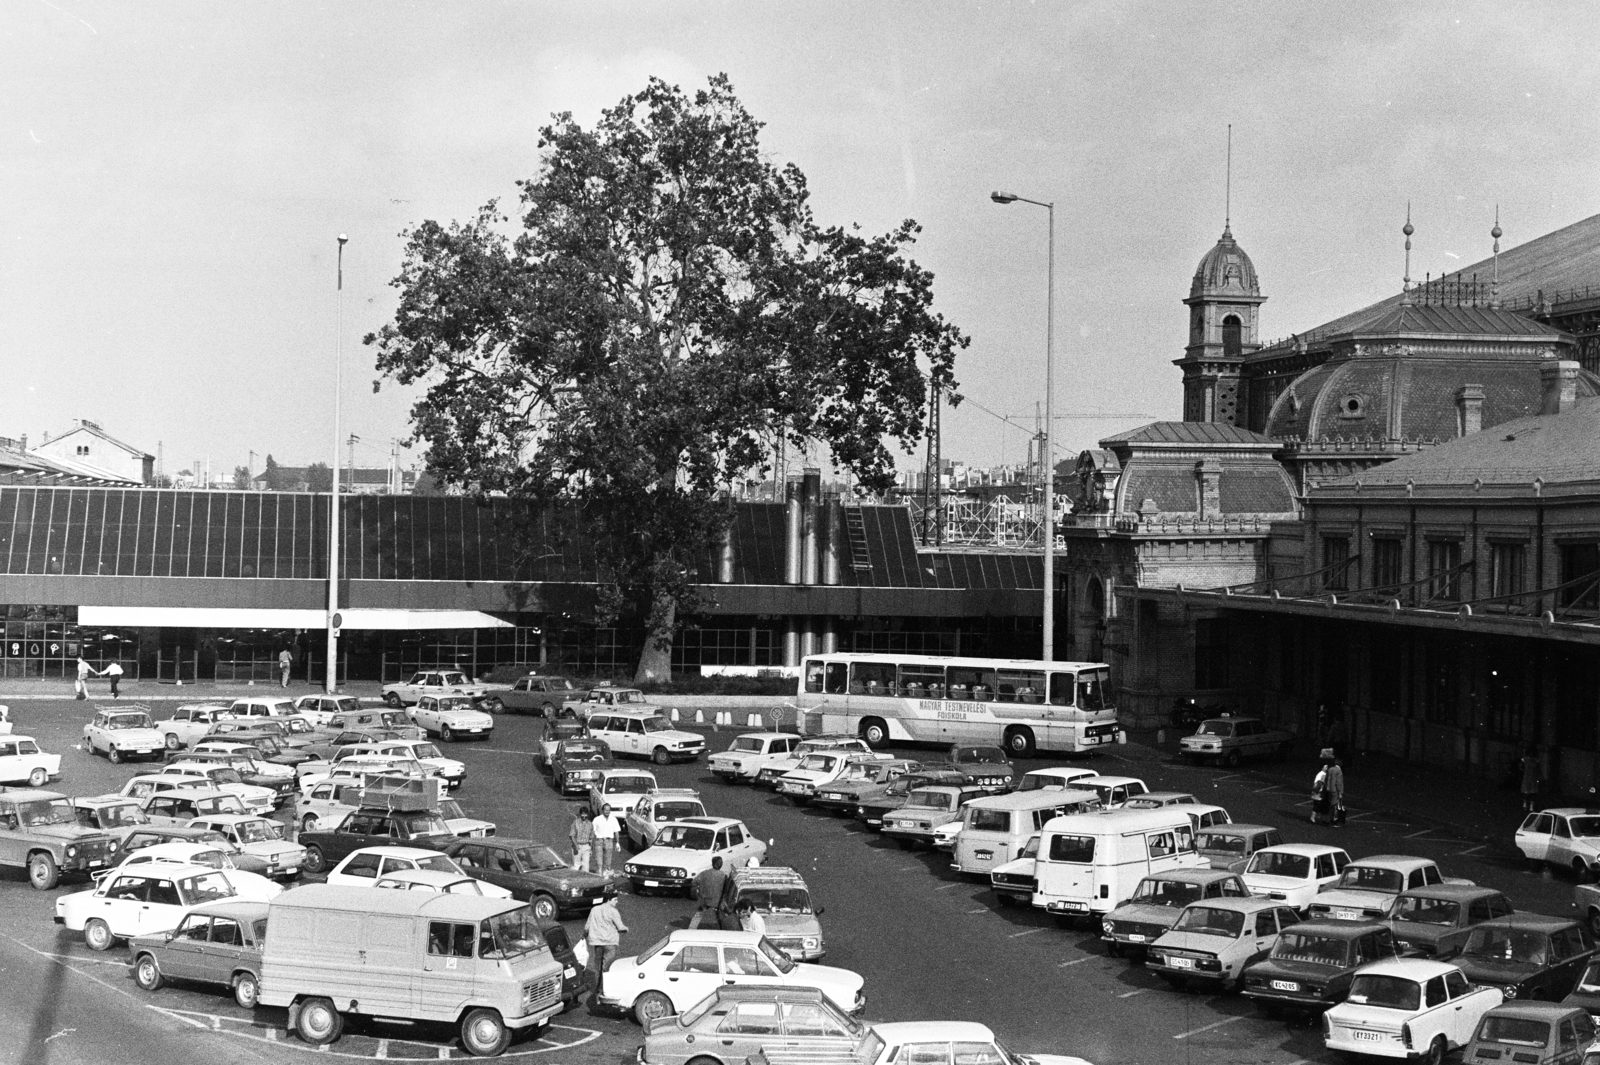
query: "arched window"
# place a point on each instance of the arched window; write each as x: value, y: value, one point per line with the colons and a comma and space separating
x: 1230, y: 335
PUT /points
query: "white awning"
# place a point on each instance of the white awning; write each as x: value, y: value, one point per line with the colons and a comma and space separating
x: 202, y: 617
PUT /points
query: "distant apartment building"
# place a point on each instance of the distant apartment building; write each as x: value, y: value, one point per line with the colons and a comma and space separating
x: 88, y: 451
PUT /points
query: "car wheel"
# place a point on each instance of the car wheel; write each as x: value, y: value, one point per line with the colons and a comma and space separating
x: 147, y: 974
x: 447, y: 734
x: 42, y: 871
x: 38, y: 778
x: 246, y: 990
x: 97, y: 934
x: 1231, y: 759
x: 308, y: 823
x: 660, y: 756
x: 1436, y: 1051
x: 392, y: 700
x: 315, y: 862
x: 650, y: 1005
x: 875, y: 732
x: 493, y: 705
x: 318, y: 1022
x: 114, y: 756
x: 171, y: 740
x: 703, y: 1060
x: 545, y: 908
x: 484, y: 1034
x: 1019, y: 742
x: 548, y: 710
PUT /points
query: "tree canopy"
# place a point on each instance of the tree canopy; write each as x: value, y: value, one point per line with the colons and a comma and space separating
x: 667, y: 311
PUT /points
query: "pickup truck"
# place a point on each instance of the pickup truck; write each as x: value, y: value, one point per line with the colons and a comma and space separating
x: 39, y: 832
x: 373, y: 826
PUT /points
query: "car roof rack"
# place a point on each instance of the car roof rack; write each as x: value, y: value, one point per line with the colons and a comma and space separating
x: 403, y: 794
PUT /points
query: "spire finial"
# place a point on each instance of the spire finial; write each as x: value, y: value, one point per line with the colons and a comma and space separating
x: 1227, y: 193
x: 1407, y: 229
x: 1494, y: 286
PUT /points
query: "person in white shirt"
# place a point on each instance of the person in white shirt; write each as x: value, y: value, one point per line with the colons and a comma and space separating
x: 751, y: 920
x: 114, y: 671
x: 607, y: 827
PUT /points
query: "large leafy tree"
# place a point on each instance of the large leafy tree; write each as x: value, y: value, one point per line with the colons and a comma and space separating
x: 668, y: 310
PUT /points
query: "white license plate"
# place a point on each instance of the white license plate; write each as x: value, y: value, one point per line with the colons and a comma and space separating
x: 983, y: 854
x: 1181, y: 963
x: 97, y: 861
x: 474, y: 730
x: 570, y: 972
x: 291, y: 870
x: 1347, y: 915
x: 1368, y: 1037
x: 1135, y: 937
x: 1285, y: 985
x: 652, y: 883
x: 873, y: 821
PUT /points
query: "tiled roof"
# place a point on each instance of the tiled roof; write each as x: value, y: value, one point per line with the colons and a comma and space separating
x: 1187, y: 433
x: 1449, y: 320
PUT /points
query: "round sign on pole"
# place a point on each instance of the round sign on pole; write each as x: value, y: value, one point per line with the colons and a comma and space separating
x: 338, y: 622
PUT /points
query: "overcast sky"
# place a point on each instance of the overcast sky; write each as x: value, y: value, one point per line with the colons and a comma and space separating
x: 173, y: 177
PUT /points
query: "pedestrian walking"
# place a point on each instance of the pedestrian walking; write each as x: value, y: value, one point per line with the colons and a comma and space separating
x: 1530, y: 781
x: 114, y: 671
x: 85, y: 671
x: 1336, y: 789
x: 582, y: 835
x: 708, y: 885
x: 603, y: 934
x: 607, y: 827
x: 285, y: 664
x: 1321, y: 796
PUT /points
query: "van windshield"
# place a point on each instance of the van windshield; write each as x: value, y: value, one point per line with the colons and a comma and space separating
x: 510, y: 935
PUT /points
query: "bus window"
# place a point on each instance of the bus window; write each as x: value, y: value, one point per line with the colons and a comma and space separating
x: 969, y: 682
x: 1091, y: 689
x: 834, y: 683
x: 813, y: 676
x: 1061, y: 689
x: 872, y: 678
x: 1020, y: 686
x: 921, y: 681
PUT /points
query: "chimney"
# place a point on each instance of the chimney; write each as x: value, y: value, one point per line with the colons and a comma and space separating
x: 1469, y: 409
x: 1558, y: 383
x: 1209, y: 474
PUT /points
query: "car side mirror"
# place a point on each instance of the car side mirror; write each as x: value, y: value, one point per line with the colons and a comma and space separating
x: 821, y: 910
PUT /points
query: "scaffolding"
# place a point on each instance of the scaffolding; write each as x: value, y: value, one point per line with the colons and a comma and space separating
x: 980, y: 523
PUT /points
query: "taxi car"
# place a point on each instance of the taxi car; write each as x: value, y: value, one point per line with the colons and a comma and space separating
x: 619, y: 789
x: 1370, y: 889
x: 1230, y: 846
x: 189, y: 723
x: 689, y: 964
x: 532, y: 873
x: 749, y: 753
x: 141, y: 900
x: 1294, y: 872
x: 320, y: 709
x: 644, y: 733
x: 1407, y: 1008
x: 1214, y: 940
x: 215, y: 943
x: 654, y: 810
x: 578, y: 763
x: 451, y: 717
x: 1435, y: 921
x: 1568, y: 837
x: 736, y: 1022
x: 605, y: 697
x: 782, y: 898
x: 925, y: 809
x: 543, y: 693
x: 123, y: 733
x: 21, y: 761
x: 1229, y: 740
x: 1158, y: 900
x: 1312, y: 964
x: 684, y: 849
x: 431, y: 682
x: 1527, y: 955
x: 257, y: 836
x: 1536, y: 1033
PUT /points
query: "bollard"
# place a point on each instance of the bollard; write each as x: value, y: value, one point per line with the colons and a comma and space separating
x: 1122, y: 735
x: 675, y: 718
x: 1161, y: 735
x: 753, y: 721
x: 250, y: 684
x: 180, y: 682
x: 699, y: 717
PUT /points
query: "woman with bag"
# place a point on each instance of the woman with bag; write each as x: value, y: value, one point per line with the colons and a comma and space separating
x: 1321, y: 794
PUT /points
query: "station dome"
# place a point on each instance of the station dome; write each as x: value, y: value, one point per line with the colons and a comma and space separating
x: 1225, y: 270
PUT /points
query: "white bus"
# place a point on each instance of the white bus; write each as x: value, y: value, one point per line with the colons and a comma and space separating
x: 1020, y: 704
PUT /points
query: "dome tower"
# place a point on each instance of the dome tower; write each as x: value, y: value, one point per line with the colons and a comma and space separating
x: 1224, y: 319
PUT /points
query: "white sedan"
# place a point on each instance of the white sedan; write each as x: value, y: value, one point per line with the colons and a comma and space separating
x: 365, y: 867
x: 684, y: 849
x: 251, y: 887
x: 191, y: 723
x: 120, y: 734
x: 22, y: 760
x: 451, y: 717
x: 431, y: 682
x: 948, y: 1041
x: 1406, y: 1008
x: 1294, y: 872
x: 140, y: 900
x: 1567, y: 837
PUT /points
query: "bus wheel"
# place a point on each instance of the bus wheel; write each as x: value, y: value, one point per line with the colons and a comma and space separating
x: 875, y: 732
x: 1019, y: 742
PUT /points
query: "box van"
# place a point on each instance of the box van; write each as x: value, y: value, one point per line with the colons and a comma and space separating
x: 1089, y: 863
x: 994, y: 828
x: 477, y: 962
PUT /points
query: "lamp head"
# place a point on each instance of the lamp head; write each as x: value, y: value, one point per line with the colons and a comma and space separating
x: 343, y: 240
x: 1003, y: 197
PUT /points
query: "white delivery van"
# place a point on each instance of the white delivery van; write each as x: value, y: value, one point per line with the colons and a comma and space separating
x: 1089, y: 863
x: 995, y: 827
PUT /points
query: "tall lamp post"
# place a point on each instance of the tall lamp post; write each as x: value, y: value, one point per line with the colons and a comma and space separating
x: 1049, y: 409
x: 331, y: 681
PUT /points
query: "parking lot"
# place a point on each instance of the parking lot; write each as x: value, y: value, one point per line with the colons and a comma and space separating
x: 930, y: 944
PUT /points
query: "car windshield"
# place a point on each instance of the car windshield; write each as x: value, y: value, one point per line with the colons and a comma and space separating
x: 630, y: 696
x: 677, y: 811
x: 1590, y: 980
x: 510, y: 935
x: 453, y: 678
x: 1030, y: 849
x: 1372, y: 878
x: 1427, y: 911
x: 1519, y: 1031
x: 1389, y: 992
x: 657, y: 724
x: 1308, y: 947
x: 455, y: 703
x: 426, y: 750
x: 45, y: 812
x: 450, y: 810
x: 968, y: 755
x: 1585, y: 827
x: 424, y: 824
x: 1167, y: 892
x: 225, y: 775
x: 777, y: 900
x: 629, y: 785
x: 208, y: 887
x: 820, y: 763
x: 259, y: 831
x: 1276, y: 863
x: 540, y: 859
x: 215, y: 859
x: 585, y: 752
x: 1509, y: 944
x: 1215, y: 728
x: 298, y: 725
x: 688, y: 837
x: 746, y: 743
x: 1206, y: 920
x: 123, y: 721
x: 122, y: 814
x: 440, y: 864
x: 780, y: 961
x: 1219, y: 843
x: 929, y: 800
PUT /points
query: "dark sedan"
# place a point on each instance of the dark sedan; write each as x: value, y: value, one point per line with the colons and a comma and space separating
x: 872, y: 810
x: 577, y: 763
x: 1311, y: 964
x: 1527, y: 955
x: 1436, y: 920
x: 987, y: 767
x: 533, y: 873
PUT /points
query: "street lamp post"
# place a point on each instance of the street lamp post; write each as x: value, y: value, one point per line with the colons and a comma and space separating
x: 331, y: 681
x: 1049, y: 410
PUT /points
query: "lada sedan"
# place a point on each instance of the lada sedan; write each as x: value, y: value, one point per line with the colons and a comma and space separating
x: 735, y: 1022
x: 874, y: 809
x: 260, y: 837
x: 1527, y: 955
x: 217, y: 943
x: 1294, y: 872
x: 989, y: 768
x: 543, y: 693
x: 1369, y: 890
x: 554, y: 733
x: 620, y: 789
x: 534, y: 874
x: 1407, y: 1008
x: 140, y: 900
x: 1228, y: 740
x: 121, y: 734
x: 1435, y: 921
x: 682, y: 969
x: 1536, y: 1033
x: 577, y: 763
x: 1312, y: 964
x: 1213, y: 941
x: 1568, y: 837
x: 684, y: 849
x: 451, y: 718
x: 656, y: 809
x: 1157, y: 902
x: 749, y: 753
x: 799, y: 785
x: 431, y: 682
x: 1230, y: 847
x: 925, y: 810
x: 1014, y: 882
x: 602, y: 698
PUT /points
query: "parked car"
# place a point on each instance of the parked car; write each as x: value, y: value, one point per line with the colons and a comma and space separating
x: 1157, y: 902
x: 260, y: 837
x: 989, y: 768
x: 1312, y: 964
x: 1407, y: 1008
x: 1212, y: 942
x: 1114, y: 791
x: 269, y: 706
x: 1370, y: 888
x: 656, y: 809
x: 123, y: 733
x: 620, y: 789
x: 430, y: 761
x: 326, y: 847
x: 195, y: 773
x: 919, y: 1041
x: 246, y: 885
x: 143, y: 899
x: 459, y: 823
x: 578, y: 763
x: 375, y: 718
x: 1230, y: 846
x: 874, y: 809
x: 684, y: 849
x: 534, y: 873
x: 1014, y: 882
x: 1435, y: 921
x: 1527, y: 955
x: 682, y: 969
x: 926, y: 809
x: 749, y: 753
x: 1228, y: 740
x: 1057, y: 776
x: 502, y: 677
x: 451, y: 718
x: 320, y: 709
x: 580, y: 704
x: 782, y: 898
x: 553, y: 733
x: 189, y: 723
x: 799, y: 785
x: 365, y: 866
x: 431, y: 682
x: 155, y: 835
x: 263, y: 747
x: 440, y: 883
x: 182, y: 804
x: 115, y: 815
x: 1587, y: 992
x: 1294, y: 872
x: 774, y: 766
x: 644, y: 734
x: 1536, y: 1033
x: 1568, y: 837
x: 328, y: 802
x: 861, y: 780
x: 216, y: 943
x: 541, y: 694
x: 21, y: 761
x: 736, y: 1022
x: 40, y: 832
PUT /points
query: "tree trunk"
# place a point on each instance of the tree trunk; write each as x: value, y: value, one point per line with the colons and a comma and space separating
x: 655, y: 661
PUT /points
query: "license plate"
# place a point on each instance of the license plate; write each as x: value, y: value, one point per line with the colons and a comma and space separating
x: 1365, y: 1036
x: 570, y: 972
x: 1135, y: 937
x: 652, y: 883
x: 983, y: 854
x: 474, y: 730
x: 873, y: 821
x: 1285, y: 985
x: 1347, y: 915
x: 97, y: 861
x: 1181, y: 963
x: 290, y: 870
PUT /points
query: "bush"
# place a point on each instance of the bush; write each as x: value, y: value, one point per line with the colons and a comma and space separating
x: 695, y: 684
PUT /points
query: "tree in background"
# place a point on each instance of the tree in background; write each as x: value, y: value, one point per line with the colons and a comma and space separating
x: 241, y: 478
x: 274, y: 477
x: 319, y: 477
x: 668, y: 311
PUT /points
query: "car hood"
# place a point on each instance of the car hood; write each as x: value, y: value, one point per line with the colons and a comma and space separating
x: 841, y: 985
x: 806, y: 776
x: 271, y: 848
x: 466, y: 718
x: 143, y: 737
x: 1417, y: 932
x: 1226, y: 863
x: 673, y: 735
x: 1260, y: 882
x: 1145, y: 913
x: 1017, y: 866
x: 792, y: 924
x: 444, y: 765
x: 68, y: 833
x: 682, y: 856
x: 1195, y: 941
x: 1492, y: 971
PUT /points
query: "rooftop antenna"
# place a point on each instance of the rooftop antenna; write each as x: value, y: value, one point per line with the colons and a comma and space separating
x: 1227, y: 190
x: 1405, y: 285
x: 1494, y: 286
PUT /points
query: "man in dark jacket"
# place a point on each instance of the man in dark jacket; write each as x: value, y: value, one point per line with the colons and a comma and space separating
x: 708, y: 885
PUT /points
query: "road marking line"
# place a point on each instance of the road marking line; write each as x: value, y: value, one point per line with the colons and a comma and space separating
x: 980, y: 909
x: 505, y: 750
x: 1208, y: 1027
x: 947, y: 887
x: 1231, y: 776
x: 383, y: 1049
x: 1026, y: 932
x: 1077, y: 961
x: 91, y: 961
x: 1269, y: 787
x: 1424, y: 832
x: 1130, y: 994
x: 58, y: 959
x: 1473, y: 850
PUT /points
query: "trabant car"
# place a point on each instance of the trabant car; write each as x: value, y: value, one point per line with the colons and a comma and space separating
x: 782, y: 898
x: 656, y: 809
x: 1213, y: 941
x: 431, y: 682
x: 1114, y: 791
x: 1434, y: 921
x: 320, y: 709
x: 216, y: 943
x: 40, y: 832
x: 21, y: 761
x: 1527, y: 955
x: 189, y: 723
x: 1157, y: 902
x: 578, y: 763
x: 260, y: 837
x: 451, y: 718
x: 1058, y: 776
x: 1230, y: 846
x: 1228, y: 740
x: 550, y: 735
x: 644, y: 734
x: 861, y: 781
x: 1311, y: 964
x: 736, y: 1022
x: 153, y: 897
x: 534, y: 873
x: 619, y: 789
x: 682, y: 969
x: 1535, y: 1033
x: 926, y: 809
x: 989, y: 768
x: 606, y: 697
x: 122, y: 733
x: 748, y: 754
x: 542, y: 694
x: 1369, y: 889
x: 1407, y: 1008
x: 776, y: 766
x: 684, y: 849
x: 1568, y: 837
x: 1294, y: 872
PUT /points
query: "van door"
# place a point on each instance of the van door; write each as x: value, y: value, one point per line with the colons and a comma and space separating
x: 447, y: 968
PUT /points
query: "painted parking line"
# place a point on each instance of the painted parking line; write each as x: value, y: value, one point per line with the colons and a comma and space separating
x: 1077, y: 961
x: 947, y: 887
x: 1269, y: 787
x: 980, y: 909
x: 1208, y: 1027
x: 1471, y: 850
x: 506, y: 750
x: 1130, y: 994
x: 1231, y: 776
x: 1024, y: 932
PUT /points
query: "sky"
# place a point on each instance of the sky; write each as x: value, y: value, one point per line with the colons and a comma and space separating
x: 173, y: 177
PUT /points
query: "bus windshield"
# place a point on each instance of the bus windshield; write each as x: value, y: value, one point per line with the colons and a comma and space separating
x: 1091, y: 689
